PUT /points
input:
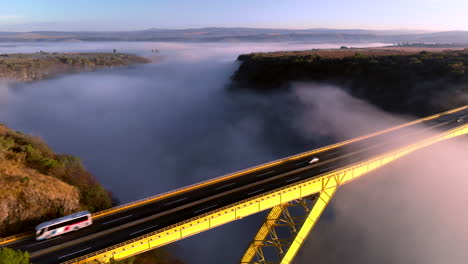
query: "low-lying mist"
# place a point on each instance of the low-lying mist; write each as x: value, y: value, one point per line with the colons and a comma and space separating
x: 173, y: 120
x: 147, y: 129
x: 329, y: 110
x: 411, y: 211
x: 174, y: 51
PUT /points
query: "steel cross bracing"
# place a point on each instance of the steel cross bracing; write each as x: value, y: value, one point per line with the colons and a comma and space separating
x: 324, y: 184
x: 281, y: 184
x: 278, y: 231
x: 285, y: 229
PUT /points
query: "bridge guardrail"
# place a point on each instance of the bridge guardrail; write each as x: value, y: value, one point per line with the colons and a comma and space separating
x: 179, y: 227
x: 263, y: 166
x: 10, y: 239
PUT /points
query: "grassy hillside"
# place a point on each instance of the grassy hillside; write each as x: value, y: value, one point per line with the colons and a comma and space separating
x: 406, y: 81
x: 37, y: 184
x: 36, y: 66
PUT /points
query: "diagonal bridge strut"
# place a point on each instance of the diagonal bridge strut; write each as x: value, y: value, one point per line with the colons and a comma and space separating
x: 285, y: 229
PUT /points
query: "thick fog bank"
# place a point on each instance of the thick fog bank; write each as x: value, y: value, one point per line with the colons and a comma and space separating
x: 411, y: 211
x: 147, y: 129
x: 172, y: 121
x: 173, y: 51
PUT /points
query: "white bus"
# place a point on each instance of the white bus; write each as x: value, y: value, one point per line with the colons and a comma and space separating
x: 63, y: 225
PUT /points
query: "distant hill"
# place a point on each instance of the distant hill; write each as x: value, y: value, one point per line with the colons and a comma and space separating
x: 215, y: 34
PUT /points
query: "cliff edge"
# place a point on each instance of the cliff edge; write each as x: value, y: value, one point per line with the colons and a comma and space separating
x: 37, y: 184
x: 41, y: 65
x: 413, y: 81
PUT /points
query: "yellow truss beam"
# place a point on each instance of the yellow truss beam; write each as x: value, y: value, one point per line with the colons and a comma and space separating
x: 309, y: 224
x: 287, y: 244
x: 10, y: 239
x: 260, y: 202
x: 270, y: 221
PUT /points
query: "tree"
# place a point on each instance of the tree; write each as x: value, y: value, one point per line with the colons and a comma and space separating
x: 114, y: 50
x: 10, y: 256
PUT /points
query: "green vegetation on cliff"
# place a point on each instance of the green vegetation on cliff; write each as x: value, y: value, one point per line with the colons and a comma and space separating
x: 36, y: 66
x: 417, y: 82
x: 10, y: 256
x: 37, y: 184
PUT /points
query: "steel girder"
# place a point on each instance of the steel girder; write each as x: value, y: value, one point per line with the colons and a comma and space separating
x: 285, y: 229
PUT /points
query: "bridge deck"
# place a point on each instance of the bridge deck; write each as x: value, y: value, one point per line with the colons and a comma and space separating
x: 160, y: 220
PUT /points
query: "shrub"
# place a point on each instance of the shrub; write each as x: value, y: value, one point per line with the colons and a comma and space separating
x: 358, y: 55
x: 37, y: 160
x: 66, y: 60
x: 48, y: 163
x: 35, y: 154
x: 6, y: 143
x: 25, y: 179
x: 94, y: 197
x: 10, y: 256
x: 414, y: 60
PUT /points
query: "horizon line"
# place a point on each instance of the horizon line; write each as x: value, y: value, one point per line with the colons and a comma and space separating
x: 258, y: 28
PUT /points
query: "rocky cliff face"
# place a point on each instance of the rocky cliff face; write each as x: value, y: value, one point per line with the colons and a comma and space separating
x: 420, y: 83
x: 28, y: 197
x: 37, y: 184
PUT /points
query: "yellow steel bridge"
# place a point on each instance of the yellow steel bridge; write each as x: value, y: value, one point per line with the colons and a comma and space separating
x: 295, y: 189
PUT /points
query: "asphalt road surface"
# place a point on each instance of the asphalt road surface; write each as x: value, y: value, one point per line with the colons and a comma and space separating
x: 134, y: 222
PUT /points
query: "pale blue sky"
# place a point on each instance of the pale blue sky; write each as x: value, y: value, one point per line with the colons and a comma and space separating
x: 25, y: 15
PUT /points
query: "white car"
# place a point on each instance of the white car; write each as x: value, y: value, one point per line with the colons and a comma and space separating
x: 314, y: 160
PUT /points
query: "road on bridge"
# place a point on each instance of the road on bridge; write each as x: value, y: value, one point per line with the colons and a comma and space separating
x: 135, y: 221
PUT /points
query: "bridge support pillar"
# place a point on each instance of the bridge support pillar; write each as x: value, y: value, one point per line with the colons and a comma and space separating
x: 285, y: 229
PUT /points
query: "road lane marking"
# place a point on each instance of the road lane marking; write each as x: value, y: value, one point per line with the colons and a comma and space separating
x: 142, y: 230
x: 205, y: 208
x: 255, y: 191
x: 152, y: 217
x: 269, y: 172
x: 47, y: 240
x: 326, y: 169
x: 333, y: 153
x: 299, y: 163
x: 64, y: 256
x: 176, y: 201
x: 120, y: 218
x: 225, y: 186
x: 293, y: 179
x: 262, y: 166
x: 355, y: 158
